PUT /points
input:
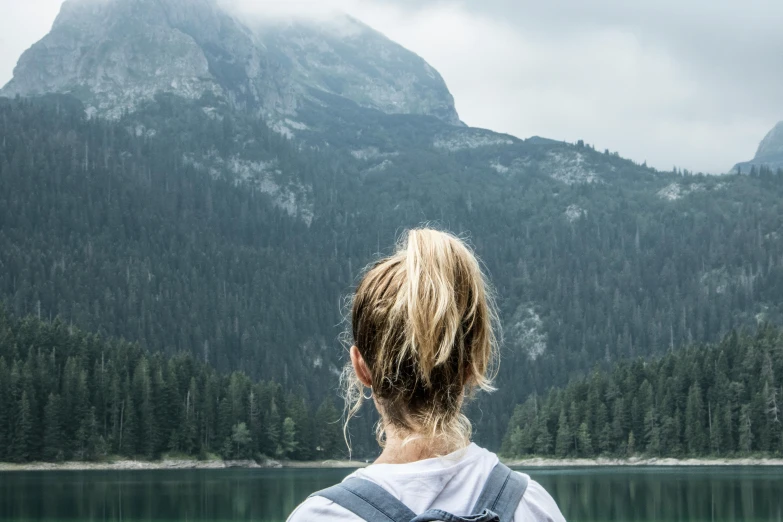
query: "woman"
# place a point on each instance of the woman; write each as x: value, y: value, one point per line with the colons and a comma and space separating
x: 423, y: 336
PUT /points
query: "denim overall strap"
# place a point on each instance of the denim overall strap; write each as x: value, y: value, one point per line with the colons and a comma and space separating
x: 502, y: 493
x: 368, y: 501
x: 432, y: 515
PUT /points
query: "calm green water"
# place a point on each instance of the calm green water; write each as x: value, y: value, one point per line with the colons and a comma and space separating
x: 603, y: 494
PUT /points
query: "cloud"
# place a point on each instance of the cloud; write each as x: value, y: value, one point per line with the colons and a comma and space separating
x: 22, y: 23
x: 273, y: 10
x: 694, y: 84
x: 669, y: 82
x: 726, y: 53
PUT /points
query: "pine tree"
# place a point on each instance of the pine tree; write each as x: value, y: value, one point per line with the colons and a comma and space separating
x: 631, y: 446
x: 543, y: 444
x: 23, y: 432
x: 565, y: 439
x: 604, y: 430
x: 190, y: 439
x: 130, y: 429
x: 745, y: 431
x: 53, y: 432
x: 241, y: 440
x: 652, y: 432
x: 6, y: 433
x: 727, y: 429
x: 225, y: 424
x: 513, y: 445
x: 694, y: 424
x: 88, y: 446
x: 255, y: 421
x: 584, y: 441
x: 297, y: 410
x: 773, y: 417
x: 288, y: 438
x: 327, y: 422
x: 619, y: 434
x: 522, y: 439
x: 716, y: 432
x: 273, y: 431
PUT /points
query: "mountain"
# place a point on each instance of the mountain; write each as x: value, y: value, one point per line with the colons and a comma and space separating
x: 116, y: 54
x: 228, y: 218
x: 769, y: 153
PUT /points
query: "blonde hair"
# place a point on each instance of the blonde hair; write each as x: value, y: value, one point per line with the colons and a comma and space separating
x: 424, y: 321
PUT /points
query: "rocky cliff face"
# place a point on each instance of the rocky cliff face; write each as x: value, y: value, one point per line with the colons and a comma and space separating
x: 772, y: 144
x: 769, y: 153
x: 116, y: 54
x: 349, y: 59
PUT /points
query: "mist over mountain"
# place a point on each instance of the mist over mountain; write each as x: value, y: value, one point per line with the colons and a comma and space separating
x: 178, y: 177
x: 115, y: 54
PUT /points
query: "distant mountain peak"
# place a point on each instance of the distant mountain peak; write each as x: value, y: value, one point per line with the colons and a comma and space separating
x: 116, y: 54
x: 772, y: 144
x: 769, y: 153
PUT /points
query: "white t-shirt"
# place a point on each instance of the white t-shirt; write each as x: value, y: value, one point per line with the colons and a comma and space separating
x: 451, y: 483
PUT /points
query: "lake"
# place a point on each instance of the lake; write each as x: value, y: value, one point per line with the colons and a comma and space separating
x: 586, y: 494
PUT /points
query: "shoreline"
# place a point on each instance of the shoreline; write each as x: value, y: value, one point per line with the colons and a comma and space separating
x: 175, y: 464
x: 192, y: 464
x: 641, y: 462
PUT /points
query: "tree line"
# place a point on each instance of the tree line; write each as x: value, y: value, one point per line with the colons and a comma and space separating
x: 68, y: 395
x: 722, y: 400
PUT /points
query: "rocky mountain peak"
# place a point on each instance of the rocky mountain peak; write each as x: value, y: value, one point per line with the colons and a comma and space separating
x: 117, y: 54
x: 345, y: 57
x: 769, y: 153
x: 772, y: 144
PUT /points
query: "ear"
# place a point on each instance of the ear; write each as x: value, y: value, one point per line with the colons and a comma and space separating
x: 360, y: 367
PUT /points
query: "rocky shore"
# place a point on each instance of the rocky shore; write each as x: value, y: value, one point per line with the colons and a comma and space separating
x: 639, y: 462
x: 184, y: 464
x: 175, y: 464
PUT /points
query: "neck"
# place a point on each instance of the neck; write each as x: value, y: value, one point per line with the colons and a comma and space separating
x: 398, y: 451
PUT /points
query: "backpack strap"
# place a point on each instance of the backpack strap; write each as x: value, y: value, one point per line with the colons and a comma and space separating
x: 501, y: 495
x: 367, y: 500
x: 502, y: 492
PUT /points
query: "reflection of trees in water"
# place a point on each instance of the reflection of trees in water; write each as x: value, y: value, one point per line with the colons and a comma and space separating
x: 670, y: 495
x: 159, y: 496
x: 639, y: 495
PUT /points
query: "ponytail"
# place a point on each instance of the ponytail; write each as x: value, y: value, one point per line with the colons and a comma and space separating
x: 423, y: 320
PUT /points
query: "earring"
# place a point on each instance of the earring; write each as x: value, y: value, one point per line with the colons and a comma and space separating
x: 366, y: 397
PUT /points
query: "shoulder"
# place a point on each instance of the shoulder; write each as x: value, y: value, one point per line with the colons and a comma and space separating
x: 538, y: 505
x: 321, y: 510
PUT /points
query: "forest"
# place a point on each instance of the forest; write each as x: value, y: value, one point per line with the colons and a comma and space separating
x: 719, y: 400
x: 68, y: 395
x: 129, y: 230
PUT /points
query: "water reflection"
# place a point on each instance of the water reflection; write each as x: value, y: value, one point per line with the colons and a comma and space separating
x: 667, y: 494
x: 265, y: 495
x: 725, y: 494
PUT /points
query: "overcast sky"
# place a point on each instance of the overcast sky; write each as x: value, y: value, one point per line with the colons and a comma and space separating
x: 691, y: 83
